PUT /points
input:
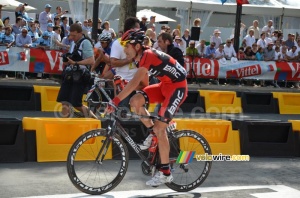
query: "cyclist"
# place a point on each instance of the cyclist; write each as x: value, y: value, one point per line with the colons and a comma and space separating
x: 171, y: 92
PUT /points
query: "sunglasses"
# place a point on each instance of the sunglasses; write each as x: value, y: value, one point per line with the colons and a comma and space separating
x: 228, y: 42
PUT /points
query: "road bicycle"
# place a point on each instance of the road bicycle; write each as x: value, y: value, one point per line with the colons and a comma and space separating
x: 98, y: 160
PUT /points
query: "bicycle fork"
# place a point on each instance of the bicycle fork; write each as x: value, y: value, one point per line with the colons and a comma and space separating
x: 104, y: 147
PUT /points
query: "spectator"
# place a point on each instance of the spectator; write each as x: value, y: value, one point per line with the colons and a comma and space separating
x: 254, y: 48
x: 107, y: 28
x: 23, y: 39
x: 7, y: 39
x: 168, y: 29
x: 290, y: 41
x: 44, y: 41
x: 249, y: 55
x: 262, y: 42
x: 269, y: 53
x: 249, y: 39
x: 292, y: 54
x: 65, y: 28
x: 179, y: 43
x: 269, y: 29
x: 56, y: 21
x: 201, y: 49
x: 229, y: 50
x: 120, y: 34
x: 241, y: 54
x: 197, y: 22
x: 16, y: 28
x: 211, y: 51
x: 191, y: 50
x: 45, y: 17
x: 50, y: 27
x: 143, y: 24
x: 220, y: 52
x: 56, y: 43
x: 99, y: 28
x: 6, y: 21
x: 66, y: 41
x: 147, y: 42
x: 85, y: 26
x: 284, y: 54
x: 165, y: 42
x: 33, y: 34
x: 255, y: 28
x: 20, y: 12
x: 90, y: 24
x: 59, y: 13
x: 216, y: 38
x: 2, y: 31
x: 151, y: 24
x: 175, y: 32
x: 151, y: 34
x: 278, y: 55
x: 162, y: 28
x: 38, y: 29
x: 186, y: 37
x: 260, y: 54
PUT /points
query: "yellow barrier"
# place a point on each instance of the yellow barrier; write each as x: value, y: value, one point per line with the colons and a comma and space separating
x: 295, y: 125
x: 219, y: 134
x: 49, y: 96
x: 221, y: 101
x: 54, y: 136
x: 289, y: 103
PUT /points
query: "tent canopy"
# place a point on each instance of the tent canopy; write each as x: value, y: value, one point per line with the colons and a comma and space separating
x: 249, y: 9
x: 12, y: 5
x: 148, y: 13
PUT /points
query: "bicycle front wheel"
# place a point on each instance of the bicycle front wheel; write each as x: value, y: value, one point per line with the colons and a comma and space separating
x: 188, y: 170
x: 95, y: 176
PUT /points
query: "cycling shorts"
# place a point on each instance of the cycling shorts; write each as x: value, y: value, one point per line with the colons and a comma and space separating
x: 171, y: 95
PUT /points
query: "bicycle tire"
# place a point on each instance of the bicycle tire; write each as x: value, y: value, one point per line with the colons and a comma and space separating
x: 90, y: 176
x: 188, y: 176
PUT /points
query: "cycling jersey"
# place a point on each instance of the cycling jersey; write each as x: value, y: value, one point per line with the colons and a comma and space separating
x: 162, y: 66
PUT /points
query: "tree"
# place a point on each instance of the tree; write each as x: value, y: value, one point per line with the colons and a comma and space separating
x: 127, y: 9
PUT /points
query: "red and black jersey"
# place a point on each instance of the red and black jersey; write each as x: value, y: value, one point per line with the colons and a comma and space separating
x: 162, y: 66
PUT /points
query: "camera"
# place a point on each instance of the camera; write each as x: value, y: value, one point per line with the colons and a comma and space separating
x: 25, y: 4
x: 66, y: 11
x: 66, y: 56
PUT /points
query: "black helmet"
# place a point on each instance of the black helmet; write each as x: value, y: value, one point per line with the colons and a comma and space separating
x: 133, y: 36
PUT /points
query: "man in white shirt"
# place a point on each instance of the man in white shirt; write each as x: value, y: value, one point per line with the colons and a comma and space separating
x: 249, y: 39
x: 229, y: 50
x: 45, y: 17
x: 262, y: 42
x: 269, y: 29
x: 292, y: 54
x: 201, y: 49
x: 220, y: 52
x: 255, y: 28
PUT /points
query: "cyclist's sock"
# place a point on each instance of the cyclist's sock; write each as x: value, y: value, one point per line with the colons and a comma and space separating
x: 165, y: 168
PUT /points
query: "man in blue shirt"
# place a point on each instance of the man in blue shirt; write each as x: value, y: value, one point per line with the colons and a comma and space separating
x: 45, y: 17
x: 7, y: 39
x: 20, y: 12
x: 33, y: 34
x: 16, y: 28
x: 44, y: 41
x: 23, y: 39
x: 211, y: 50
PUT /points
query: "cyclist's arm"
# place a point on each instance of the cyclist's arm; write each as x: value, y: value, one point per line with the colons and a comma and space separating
x: 133, y: 83
x: 119, y: 62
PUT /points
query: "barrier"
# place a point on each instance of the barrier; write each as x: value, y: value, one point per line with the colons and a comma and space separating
x: 221, y: 101
x: 17, y: 98
x: 259, y: 103
x: 193, y: 103
x: 12, y: 147
x: 289, y: 103
x: 54, y: 136
x: 219, y: 134
x: 296, y: 130
x: 261, y: 138
x: 48, y: 95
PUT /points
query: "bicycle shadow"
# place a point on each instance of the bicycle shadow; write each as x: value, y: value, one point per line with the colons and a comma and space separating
x: 159, y: 195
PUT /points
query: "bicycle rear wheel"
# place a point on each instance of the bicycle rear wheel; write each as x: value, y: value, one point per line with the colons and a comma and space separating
x: 90, y: 175
x: 187, y: 173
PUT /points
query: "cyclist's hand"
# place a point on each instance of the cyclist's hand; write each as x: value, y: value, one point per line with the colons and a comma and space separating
x: 111, y: 105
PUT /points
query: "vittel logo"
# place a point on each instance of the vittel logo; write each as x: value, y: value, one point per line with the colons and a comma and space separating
x: 244, y: 72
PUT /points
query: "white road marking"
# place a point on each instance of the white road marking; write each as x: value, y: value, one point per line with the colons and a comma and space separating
x: 281, y: 191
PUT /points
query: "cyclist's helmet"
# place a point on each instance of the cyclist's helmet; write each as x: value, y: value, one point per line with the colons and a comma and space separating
x: 105, y: 37
x: 133, y: 37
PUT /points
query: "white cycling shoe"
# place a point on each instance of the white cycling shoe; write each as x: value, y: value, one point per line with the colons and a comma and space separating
x: 158, y: 179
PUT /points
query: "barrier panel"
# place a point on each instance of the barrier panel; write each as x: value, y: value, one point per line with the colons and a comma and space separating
x: 17, y: 98
x: 221, y: 101
x: 289, y: 103
x: 12, y: 147
x: 219, y: 134
x: 265, y: 138
x: 54, y: 136
x: 259, y: 103
x: 48, y: 95
x: 296, y: 130
x: 193, y: 103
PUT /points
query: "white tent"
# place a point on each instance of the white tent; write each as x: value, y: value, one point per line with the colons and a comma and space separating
x: 12, y: 5
x: 149, y: 13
